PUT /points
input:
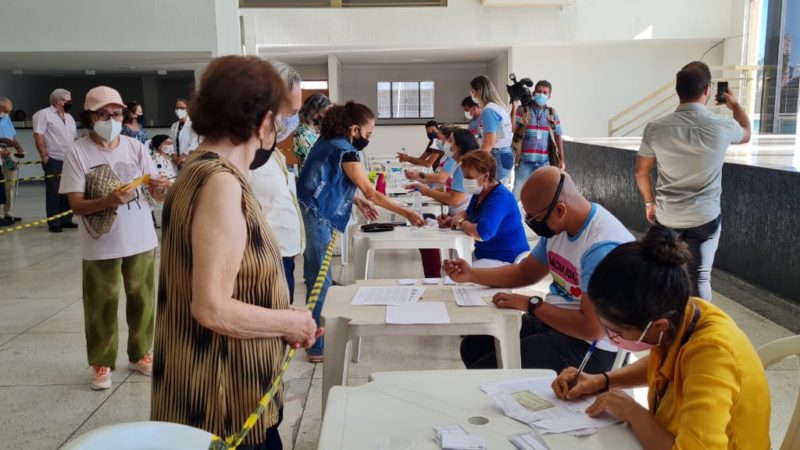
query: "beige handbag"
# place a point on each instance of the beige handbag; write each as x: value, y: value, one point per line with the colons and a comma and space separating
x: 100, y: 182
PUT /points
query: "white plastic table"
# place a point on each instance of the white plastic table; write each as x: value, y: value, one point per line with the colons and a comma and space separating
x: 344, y: 323
x: 409, y: 404
x: 365, y: 244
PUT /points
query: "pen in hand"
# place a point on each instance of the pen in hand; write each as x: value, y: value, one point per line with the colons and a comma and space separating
x: 583, y: 364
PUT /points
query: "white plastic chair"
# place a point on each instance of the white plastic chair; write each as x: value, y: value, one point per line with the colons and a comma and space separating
x: 771, y: 354
x: 619, y: 361
x: 142, y: 435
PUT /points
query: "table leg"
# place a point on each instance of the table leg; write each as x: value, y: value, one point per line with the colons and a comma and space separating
x: 355, y: 349
x: 506, y: 342
x: 369, y: 263
x: 334, y: 370
x: 360, y: 246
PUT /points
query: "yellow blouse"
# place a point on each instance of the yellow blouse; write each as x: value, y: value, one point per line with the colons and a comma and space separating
x: 712, y: 392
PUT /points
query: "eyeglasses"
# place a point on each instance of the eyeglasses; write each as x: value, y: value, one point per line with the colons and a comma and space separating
x: 531, y: 219
x: 105, y: 115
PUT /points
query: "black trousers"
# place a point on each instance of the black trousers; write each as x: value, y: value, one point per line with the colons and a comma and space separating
x: 541, y: 347
x: 272, y: 441
x: 55, y: 203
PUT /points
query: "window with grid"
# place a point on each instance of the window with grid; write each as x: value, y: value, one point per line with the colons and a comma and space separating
x: 405, y: 99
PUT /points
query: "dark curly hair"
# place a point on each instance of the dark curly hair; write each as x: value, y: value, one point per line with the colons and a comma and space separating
x: 234, y: 96
x: 313, y: 108
x: 339, y: 119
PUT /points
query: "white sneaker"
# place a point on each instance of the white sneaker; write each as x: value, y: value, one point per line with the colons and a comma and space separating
x: 144, y: 366
x: 102, y: 378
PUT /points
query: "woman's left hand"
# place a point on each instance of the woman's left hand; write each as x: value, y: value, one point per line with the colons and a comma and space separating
x: 367, y: 209
x: 423, y: 189
x: 617, y: 403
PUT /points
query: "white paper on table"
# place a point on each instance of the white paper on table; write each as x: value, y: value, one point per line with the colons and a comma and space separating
x: 448, y: 281
x: 563, y: 416
x: 417, y: 313
x: 374, y: 295
x: 452, y: 441
x: 473, y: 295
x: 431, y: 281
x: 407, y: 282
x: 528, y: 441
x: 452, y: 429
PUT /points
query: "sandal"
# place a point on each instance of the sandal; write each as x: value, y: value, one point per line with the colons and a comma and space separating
x: 313, y: 358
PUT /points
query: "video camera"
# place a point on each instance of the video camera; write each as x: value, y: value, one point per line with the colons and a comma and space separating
x: 519, y: 90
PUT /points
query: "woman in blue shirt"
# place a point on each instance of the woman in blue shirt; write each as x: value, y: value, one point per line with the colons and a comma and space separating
x: 492, y: 218
x: 496, y: 122
x: 326, y: 191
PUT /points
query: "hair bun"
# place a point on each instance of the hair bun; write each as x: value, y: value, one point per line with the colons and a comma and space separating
x: 664, y: 246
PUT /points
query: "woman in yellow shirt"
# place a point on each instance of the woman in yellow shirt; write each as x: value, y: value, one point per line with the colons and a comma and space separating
x: 706, y: 385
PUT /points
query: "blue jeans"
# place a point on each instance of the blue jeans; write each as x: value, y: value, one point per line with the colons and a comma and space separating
x: 505, y: 162
x: 702, y: 241
x: 318, y: 235
x: 523, y: 172
x: 288, y: 269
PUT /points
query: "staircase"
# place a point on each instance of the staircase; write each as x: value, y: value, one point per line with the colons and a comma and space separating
x: 663, y: 100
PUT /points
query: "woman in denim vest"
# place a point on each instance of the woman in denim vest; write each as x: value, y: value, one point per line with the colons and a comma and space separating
x: 326, y: 190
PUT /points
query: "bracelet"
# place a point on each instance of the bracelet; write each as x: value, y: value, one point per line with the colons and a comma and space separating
x: 608, y: 382
x: 421, y: 175
x: 649, y: 203
x: 462, y: 220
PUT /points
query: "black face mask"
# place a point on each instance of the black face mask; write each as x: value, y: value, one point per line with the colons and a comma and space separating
x: 360, y: 142
x: 262, y: 155
x: 540, y: 227
x: 432, y: 136
x: 67, y: 106
x: 141, y: 121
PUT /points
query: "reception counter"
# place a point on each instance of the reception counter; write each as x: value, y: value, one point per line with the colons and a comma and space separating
x: 760, y: 205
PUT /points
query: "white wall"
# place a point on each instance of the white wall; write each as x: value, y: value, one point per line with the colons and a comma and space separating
x: 359, y: 82
x: 498, y: 71
x: 335, y: 82
x: 592, y: 83
x: 466, y: 24
x: 312, y: 72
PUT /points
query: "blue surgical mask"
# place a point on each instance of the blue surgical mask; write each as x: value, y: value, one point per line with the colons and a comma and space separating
x: 540, y: 99
x: 289, y: 125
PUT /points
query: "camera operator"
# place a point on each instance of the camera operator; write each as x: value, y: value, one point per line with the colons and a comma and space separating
x: 534, y: 124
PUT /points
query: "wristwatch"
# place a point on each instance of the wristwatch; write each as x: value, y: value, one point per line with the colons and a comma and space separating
x: 422, y: 175
x: 534, y: 303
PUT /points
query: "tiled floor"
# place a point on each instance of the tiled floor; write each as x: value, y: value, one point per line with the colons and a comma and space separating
x: 44, y: 389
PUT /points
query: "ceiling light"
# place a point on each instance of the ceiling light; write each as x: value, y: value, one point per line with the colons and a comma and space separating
x: 127, y: 67
x: 17, y: 72
x: 90, y: 72
x: 162, y: 72
x: 417, y: 60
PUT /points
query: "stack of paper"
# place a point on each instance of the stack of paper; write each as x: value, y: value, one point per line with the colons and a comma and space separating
x: 533, y: 402
x: 407, y: 282
x: 473, y: 295
x: 387, y: 295
x: 453, y: 437
x: 431, y: 281
x: 528, y: 441
x: 417, y: 313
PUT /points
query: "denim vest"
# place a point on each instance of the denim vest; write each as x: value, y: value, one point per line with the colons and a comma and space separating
x: 323, y: 188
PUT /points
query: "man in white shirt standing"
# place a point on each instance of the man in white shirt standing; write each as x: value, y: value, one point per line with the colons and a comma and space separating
x: 688, y: 148
x: 54, y: 132
x: 275, y: 188
x: 183, y: 136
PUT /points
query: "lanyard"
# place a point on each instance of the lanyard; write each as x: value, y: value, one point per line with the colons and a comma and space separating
x: 686, y: 335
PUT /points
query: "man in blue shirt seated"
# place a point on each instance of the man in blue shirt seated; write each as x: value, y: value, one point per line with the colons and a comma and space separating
x: 575, y: 236
x: 492, y: 217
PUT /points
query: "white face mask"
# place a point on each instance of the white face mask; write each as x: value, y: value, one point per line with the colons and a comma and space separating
x: 448, y: 149
x: 3, y: 115
x: 181, y: 113
x: 168, y: 149
x: 437, y: 144
x: 468, y: 115
x: 475, y: 99
x: 108, y: 129
x: 289, y: 125
x: 472, y: 187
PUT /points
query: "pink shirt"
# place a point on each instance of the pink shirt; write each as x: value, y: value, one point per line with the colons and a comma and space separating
x: 132, y: 232
x: 59, y: 134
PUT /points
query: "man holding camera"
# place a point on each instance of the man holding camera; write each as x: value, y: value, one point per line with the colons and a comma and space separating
x: 689, y: 146
x: 9, y: 149
x: 533, y: 125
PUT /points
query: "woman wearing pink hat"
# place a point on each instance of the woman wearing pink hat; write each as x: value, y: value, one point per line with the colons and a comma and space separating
x: 104, y: 177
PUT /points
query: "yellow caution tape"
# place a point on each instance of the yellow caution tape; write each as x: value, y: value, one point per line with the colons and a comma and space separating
x: 28, y: 163
x: 35, y: 223
x: 11, y: 180
x: 236, y: 440
x: 144, y: 179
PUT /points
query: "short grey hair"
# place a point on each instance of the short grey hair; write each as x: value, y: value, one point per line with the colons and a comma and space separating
x: 58, y: 94
x: 5, y: 101
x: 287, y: 74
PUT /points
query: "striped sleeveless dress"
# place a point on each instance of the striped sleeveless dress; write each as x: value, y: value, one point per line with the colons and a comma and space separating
x: 201, y: 378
